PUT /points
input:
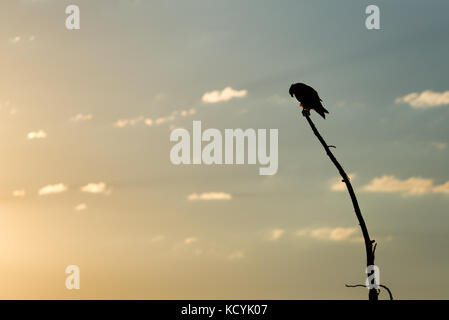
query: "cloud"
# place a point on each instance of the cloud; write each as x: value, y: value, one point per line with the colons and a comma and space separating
x: 19, y: 193
x: 36, y: 134
x: 15, y: 39
x: 162, y: 120
x: 190, y: 240
x: 339, y: 185
x: 121, y: 123
x: 224, y: 95
x: 410, y: 186
x: 439, y: 145
x: 81, y: 117
x: 96, y: 188
x: 236, y: 255
x: 276, y: 234
x: 80, y: 207
x: 209, y: 196
x: 443, y: 188
x: 185, y: 113
x: 52, y: 189
x: 425, y: 99
x: 332, y: 234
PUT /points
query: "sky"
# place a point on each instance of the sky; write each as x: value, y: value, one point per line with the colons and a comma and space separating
x: 86, y: 177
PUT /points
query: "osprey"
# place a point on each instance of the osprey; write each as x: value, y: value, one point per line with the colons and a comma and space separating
x: 308, y: 98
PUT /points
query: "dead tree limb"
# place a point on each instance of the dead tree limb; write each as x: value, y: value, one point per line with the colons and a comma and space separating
x: 373, y: 293
x: 364, y: 286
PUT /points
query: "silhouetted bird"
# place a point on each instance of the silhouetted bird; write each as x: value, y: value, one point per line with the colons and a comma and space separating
x: 308, y: 98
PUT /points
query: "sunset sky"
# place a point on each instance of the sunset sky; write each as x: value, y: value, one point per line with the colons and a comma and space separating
x: 85, y: 171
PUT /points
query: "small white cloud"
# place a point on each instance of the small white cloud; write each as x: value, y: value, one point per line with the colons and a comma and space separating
x: 339, y: 185
x: 121, y: 123
x: 185, y: 113
x: 162, y: 120
x: 19, y: 193
x: 52, y: 189
x: 14, y: 40
x: 96, y: 188
x: 209, y: 196
x: 80, y: 207
x: 332, y: 234
x: 81, y: 117
x: 236, y: 255
x: 439, y: 145
x: 190, y: 240
x: 224, y: 95
x: 425, y: 99
x: 410, y: 186
x: 36, y: 134
x: 276, y: 234
x: 443, y: 188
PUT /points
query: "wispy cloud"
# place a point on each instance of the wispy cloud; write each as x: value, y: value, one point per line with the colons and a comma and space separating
x: 15, y: 40
x: 276, y: 234
x: 81, y: 117
x: 41, y: 134
x: 425, y: 99
x: 80, y: 207
x: 224, y: 95
x: 96, y: 188
x: 439, y: 145
x: 122, y: 123
x: 19, y: 193
x: 332, y: 234
x: 410, y: 186
x: 442, y: 188
x: 52, y: 189
x: 162, y: 120
x: 339, y: 185
x: 209, y: 196
x: 190, y: 240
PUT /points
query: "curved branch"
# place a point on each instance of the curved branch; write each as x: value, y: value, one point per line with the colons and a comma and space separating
x: 389, y: 291
x: 354, y: 285
x: 364, y: 286
x: 373, y: 294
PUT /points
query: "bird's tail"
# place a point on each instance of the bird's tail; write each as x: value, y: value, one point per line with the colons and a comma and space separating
x: 322, y: 111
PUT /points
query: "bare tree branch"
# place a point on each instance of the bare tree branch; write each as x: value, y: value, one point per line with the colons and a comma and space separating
x: 364, y: 286
x: 389, y: 291
x: 373, y: 294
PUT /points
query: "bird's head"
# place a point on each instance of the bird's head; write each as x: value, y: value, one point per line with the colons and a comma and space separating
x: 291, y: 90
